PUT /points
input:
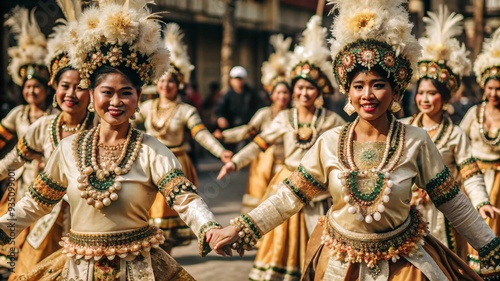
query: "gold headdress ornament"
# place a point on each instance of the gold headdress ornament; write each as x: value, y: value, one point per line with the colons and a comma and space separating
x: 57, y: 45
x: 372, y: 33
x: 274, y: 69
x: 118, y: 33
x: 180, y: 66
x: 443, y: 57
x: 487, y: 64
x: 27, y: 58
x: 310, y: 58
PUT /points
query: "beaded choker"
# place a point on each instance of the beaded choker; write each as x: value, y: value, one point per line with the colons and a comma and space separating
x: 306, y: 134
x: 55, y: 135
x: 366, y: 190
x: 484, y: 134
x: 97, y: 184
x: 444, y: 129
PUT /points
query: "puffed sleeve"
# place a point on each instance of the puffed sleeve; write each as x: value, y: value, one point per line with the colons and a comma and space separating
x: 458, y: 209
x: 47, y: 190
x: 308, y: 180
x: 471, y: 174
x: 262, y: 141
x: 8, y: 126
x: 181, y: 194
x: 201, y: 134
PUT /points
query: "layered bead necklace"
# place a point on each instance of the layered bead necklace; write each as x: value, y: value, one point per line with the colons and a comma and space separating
x: 55, y: 133
x: 369, y: 206
x: 484, y: 134
x: 306, y: 134
x: 97, y: 180
x: 444, y: 129
x: 160, y: 117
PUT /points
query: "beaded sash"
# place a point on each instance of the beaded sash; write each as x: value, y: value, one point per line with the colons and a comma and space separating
x: 125, y: 244
x: 370, y: 248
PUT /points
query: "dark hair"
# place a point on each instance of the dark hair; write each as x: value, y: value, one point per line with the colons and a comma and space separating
x: 440, y: 87
x: 281, y: 83
x: 104, y: 70
x: 297, y: 78
x: 45, y: 84
x: 491, y: 78
x: 376, y: 68
x: 57, y: 78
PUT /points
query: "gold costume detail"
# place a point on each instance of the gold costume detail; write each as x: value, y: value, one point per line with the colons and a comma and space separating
x: 304, y: 185
x: 173, y: 184
x: 469, y: 168
x: 442, y: 188
x: 46, y: 191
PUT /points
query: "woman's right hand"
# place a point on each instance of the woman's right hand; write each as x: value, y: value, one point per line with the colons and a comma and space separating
x: 229, y: 167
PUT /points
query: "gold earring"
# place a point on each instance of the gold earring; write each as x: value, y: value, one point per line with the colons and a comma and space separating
x: 91, y: 108
x: 54, y: 102
x: 137, y: 109
x: 395, y: 106
x: 445, y: 107
x: 319, y: 102
x: 132, y: 117
x: 349, y: 108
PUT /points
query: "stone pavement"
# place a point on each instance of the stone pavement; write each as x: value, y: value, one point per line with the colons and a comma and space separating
x: 224, y: 199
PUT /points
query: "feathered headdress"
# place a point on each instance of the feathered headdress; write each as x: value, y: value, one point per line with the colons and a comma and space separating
x: 27, y: 58
x: 310, y: 58
x: 57, y: 45
x: 443, y: 57
x: 487, y: 64
x: 118, y: 33
x: 368, y: 33
x: 274, y: 69
x: 180, y: 66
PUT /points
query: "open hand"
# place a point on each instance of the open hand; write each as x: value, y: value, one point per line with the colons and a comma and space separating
x: 229, y: 167
x: 489, y: 211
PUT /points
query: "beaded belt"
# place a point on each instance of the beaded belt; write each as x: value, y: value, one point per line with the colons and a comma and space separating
x: 110, y: 245
x: 354, y: 247
x: 488, y: 165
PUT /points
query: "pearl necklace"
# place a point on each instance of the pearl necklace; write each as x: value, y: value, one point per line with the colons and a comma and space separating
x: 369, y: 206
x: 483, y: 132
x: 444, y: 130
x: 55, y: 136
x: 97, y: 184
x: 305, y: 136
x: 430, y: 129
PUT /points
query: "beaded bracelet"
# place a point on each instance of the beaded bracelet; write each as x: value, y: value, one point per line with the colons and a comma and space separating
x: 247, y: 237
x: 482, y: 204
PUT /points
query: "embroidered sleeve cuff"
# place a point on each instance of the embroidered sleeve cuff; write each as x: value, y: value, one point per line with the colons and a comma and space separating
x: 173, y: 184
x: 202, y: 237
x: 442, y: 188
x: 4, y: 238
x: 303, y: 185
x: 469, y: 168
x: 197, y: 128
x: 480, y: 205
x: 489, y: 257
x: 46, y: 191
x: 263, y: 145
x: 248, y: 233
x: 24, y: 151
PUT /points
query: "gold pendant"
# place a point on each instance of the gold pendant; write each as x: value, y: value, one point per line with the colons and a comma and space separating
x: 304, y: 133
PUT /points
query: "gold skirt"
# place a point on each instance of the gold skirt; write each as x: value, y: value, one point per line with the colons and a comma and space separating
x: 281, y: 252
x: 177, y: 233
x: 453, y: 267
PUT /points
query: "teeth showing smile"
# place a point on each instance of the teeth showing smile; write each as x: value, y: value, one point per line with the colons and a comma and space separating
x: 369, y: 105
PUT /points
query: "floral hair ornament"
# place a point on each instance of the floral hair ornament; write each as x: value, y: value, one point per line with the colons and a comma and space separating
x: 27, y: 58
x: 118, y: 33
x: 372, y: 33
x: 180, y: 66
x: 310, y: 58
x: 274, y: 69
x: 443, y: 57
x: 487, y: 64
x: 57, y: 45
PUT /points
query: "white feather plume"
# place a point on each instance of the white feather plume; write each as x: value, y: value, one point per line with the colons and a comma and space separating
x: 489, y: 57
x: 439, y: 44
x: 178, y: 51
x: 312, y: 48
x: 31, y: 42
x: 277, y: 63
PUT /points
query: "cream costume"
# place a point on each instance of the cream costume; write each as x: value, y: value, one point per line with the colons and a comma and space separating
x: 168, y: 126
x: 371, y: 232
x: 269, y: 162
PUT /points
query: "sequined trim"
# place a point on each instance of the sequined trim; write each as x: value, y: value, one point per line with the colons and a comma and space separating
x: 303, y: 184
x: 442, y: 188
x: 469, y: 168
x: 347, y: 246
x: 24, y: 151
x: 489, y: 259
x: 263, y: 145
x: 111, y: 245
x: 173, y: 184
x: 197, y: 128
x: 47, y: 191
x: 4, y: 238
x: 203, y: 246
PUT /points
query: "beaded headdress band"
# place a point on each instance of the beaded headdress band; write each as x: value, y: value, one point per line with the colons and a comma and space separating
x: 27, y: 58
x: 487, y: 64
x: 180, y: 66
x: 310, y: 58
x: 443, y: 57
x: 274, y: 69
x: 118, y: 33
x: 373, y: 33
